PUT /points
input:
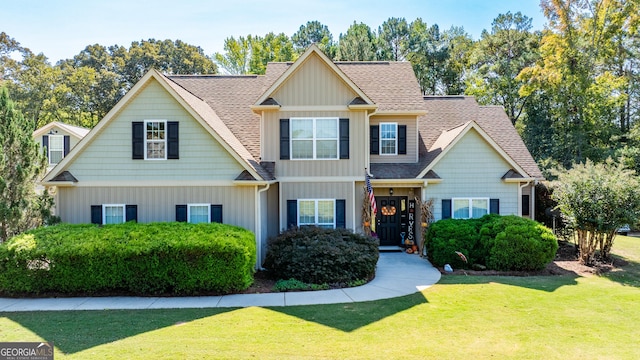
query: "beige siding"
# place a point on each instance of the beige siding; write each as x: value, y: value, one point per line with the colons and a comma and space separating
x: 314, y: 83
x: 472, y: 168
x: 354, y: 166
x: 335, y: 190
x: 73, y: 140
x: 159, y: 203
x: 412, y: 139
x: 108, y: 156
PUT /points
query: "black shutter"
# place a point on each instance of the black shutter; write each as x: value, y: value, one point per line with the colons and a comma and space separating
x: 344, y: 138
x: 402, y: 139
x: 292, y: 214
x: 374, y: 139
x: 45, y: 144
x: 181, y: 213
x: 137, y: 140
x: 67, y: 145
x: 216, y: 214
x: 131, y: 213
x: 284, y: 139
x: 173, y: 140
x: 494, y: 206
x: 341, y: 214
x: 96, y: 214
x: 446, y: 208
x: 525, y: 205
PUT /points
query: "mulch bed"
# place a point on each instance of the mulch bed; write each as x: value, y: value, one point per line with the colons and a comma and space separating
x: 565, y: 263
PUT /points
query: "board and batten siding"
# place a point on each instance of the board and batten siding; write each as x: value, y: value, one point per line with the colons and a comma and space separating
x: 158, y: 204
x: 354, y: 166
x: 108, y: 156
x: 314, y: 84
x: 411, y: 123
x: 472, y: 168
x: 323, y: 190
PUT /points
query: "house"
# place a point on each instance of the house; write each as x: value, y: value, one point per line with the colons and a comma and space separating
x: 291, y: 148
x: 58, y: 139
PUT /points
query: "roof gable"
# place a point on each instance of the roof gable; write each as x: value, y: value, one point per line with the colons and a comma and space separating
x: 77, y: 131
x: 312, y: 53
x: 197, y: 108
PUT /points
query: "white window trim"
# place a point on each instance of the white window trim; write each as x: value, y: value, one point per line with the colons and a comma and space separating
x: 314, y: 139
x: 104, y: 212
x: 380, y: 139
x: 146, y: 141
x: 316, y: 212
x: 208, y: 206
x: 49, y: 147
x: 470, y: 206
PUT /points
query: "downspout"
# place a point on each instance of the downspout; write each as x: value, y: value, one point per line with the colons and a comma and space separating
x: 532, y: 211
x: 520, y: 187
x: 258, y: 227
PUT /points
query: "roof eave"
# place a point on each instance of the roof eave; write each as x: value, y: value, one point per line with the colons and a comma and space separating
x: 259, y: 108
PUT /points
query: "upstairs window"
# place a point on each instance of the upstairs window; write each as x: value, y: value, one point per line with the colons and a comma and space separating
x: 155, y: 140
x: 56, y: 149
x: 388, y: 139
x: 314, y: 138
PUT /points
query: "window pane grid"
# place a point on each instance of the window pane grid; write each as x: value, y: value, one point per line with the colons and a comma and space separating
x: 155, y: 140
x: 316, y: 212
x: 388, y: 138
x: 56, y: 148
x: 113, y: 214
x: 198, y: 214
x: 314, y: 138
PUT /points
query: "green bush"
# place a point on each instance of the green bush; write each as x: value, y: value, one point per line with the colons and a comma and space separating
x: 145, y: 259
x: 500, y: 242
x: 316, y: 256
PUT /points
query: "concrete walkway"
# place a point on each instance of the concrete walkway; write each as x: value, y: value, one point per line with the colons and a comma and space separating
x: 397, y: 274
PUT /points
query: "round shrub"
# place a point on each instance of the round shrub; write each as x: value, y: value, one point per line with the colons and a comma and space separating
x: 525, y: 246
x: 316, y: 256
x: 445, y: 237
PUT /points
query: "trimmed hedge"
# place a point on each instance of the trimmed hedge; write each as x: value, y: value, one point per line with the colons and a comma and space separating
x: 144, y: 259
x: 317, y: 256
x: 500, y: 242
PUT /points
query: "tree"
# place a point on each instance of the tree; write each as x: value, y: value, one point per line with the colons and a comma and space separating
x: 358, y: 44
x: 427, y: 55
x: 392, y: 39
x: 598, y: 199
x: 270, y: 48
x: 21, y: 164
x: 314, y: 32
x: 498, y: 58
x: 237, y: 54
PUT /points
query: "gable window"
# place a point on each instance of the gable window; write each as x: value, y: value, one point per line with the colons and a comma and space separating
x: 317, y: 212
x: 155, y: 144
x: 468, y: 208
x: 314, y: 138
x: 388, y: 139
x: 55, y: 149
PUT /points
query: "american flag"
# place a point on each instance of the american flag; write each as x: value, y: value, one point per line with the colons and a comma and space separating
x: 372, y: 198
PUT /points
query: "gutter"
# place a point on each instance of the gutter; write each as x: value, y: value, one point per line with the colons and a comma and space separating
x: 259, y: 227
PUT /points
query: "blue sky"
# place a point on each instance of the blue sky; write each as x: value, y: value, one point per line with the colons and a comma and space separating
x: 62, y: 28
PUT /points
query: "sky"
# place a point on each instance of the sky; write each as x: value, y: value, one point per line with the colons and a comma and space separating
x: 62, y: 28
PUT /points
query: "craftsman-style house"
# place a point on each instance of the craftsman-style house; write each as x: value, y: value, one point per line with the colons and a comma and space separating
x: 290, y: 148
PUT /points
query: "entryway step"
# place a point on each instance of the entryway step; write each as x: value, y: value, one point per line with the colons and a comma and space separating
x: 390, y: 248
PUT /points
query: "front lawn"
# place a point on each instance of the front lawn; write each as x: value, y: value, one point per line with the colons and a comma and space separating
x: 462, y: 317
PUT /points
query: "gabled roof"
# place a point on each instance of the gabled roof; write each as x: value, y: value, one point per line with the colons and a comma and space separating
x: 200, y: 110
x: 313, y: 50
x: 77, y: 131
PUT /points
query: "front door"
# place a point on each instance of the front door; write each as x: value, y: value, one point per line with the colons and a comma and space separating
x: 388, y: 217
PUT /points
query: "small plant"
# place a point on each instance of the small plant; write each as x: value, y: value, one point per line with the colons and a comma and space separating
x: 297, y: 285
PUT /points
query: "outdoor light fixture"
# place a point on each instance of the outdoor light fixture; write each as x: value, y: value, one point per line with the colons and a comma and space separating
x: 390, y: 191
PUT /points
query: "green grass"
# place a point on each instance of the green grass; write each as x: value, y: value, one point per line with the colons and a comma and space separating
x: 462, y: 317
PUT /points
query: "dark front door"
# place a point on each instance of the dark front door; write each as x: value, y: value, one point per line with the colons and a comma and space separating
x: 388, y: 216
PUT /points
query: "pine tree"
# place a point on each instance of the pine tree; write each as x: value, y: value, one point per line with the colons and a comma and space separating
x: 21, y: 164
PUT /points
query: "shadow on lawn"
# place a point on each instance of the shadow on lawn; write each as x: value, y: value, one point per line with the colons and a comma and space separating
x: 625, y: 271
x: 75, y: 331
x: 352, y: 316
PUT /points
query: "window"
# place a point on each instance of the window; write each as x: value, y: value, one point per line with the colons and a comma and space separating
x: 466, y: 208
x: 199, y: 213
x: 317, y: 212
x: 56, y: 149
x: 155, y: 140
x: 388, y: 139
x: 113, y: 213
x: 314, y: 138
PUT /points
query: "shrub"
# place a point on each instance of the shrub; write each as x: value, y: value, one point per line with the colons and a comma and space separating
x: 316, y: 256
x: 143, y: 259
x: 499, y: 242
